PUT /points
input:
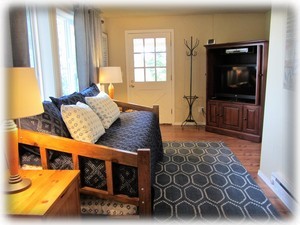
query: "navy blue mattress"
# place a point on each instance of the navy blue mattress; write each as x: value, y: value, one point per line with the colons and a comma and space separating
x: 134, y: 130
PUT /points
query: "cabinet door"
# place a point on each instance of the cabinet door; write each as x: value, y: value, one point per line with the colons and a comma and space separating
x: 231, y: 116
x: 68, y: 204
x: 251, y: 119
x: 212, y: 118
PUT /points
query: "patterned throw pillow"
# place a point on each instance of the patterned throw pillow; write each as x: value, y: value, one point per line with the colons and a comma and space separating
x: 91, y: 91
x: 49, y: 122
x: 96, y: 206
x: 68, y: 99
x: 82, y: 122
x: 105, y: 108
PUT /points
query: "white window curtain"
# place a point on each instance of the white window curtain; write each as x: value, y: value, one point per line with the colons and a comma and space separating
x: 88, y: 35
x: 44, y: 49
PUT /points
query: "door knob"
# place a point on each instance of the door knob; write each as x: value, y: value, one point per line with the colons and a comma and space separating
x: 131, y: 85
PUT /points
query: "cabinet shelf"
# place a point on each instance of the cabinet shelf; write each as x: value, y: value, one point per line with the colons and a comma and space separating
x: 237, y: 65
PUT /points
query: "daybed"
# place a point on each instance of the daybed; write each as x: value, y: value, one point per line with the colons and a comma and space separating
x: 119, y: 166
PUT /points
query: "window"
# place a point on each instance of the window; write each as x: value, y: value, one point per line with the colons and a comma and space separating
x: 30, y: 38
x: 52, y: 51
x: 33, y: 45
x: 149, y: 59
x: 67, y: 53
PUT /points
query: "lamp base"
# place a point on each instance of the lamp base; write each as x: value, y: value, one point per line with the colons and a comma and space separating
x: 111, y: 90
x: 17, y: 184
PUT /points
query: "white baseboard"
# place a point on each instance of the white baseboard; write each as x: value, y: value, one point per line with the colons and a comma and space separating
x: 287, y: 200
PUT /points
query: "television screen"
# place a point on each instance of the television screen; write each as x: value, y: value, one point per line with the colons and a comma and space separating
x: 238, y: 82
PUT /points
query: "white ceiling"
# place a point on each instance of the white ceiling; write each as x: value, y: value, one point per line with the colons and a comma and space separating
x: 126, y: 11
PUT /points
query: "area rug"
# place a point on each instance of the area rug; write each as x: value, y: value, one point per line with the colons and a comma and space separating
x: 205, y: 181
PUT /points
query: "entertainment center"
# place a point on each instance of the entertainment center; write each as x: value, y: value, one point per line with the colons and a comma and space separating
x: 235, y: 88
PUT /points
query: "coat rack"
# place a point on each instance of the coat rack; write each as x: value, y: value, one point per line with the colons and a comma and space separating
x: 190, y: 99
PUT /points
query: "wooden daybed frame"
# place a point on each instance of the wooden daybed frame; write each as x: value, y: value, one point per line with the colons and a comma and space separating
x: 139, y: 159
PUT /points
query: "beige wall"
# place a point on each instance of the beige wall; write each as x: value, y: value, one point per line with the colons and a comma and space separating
x: 221, y: 27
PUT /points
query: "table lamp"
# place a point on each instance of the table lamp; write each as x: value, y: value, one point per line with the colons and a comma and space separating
x: 109, y: 75
x: 23, y: 100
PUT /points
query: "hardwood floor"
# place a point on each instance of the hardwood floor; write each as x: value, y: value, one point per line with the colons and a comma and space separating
x: 246, y: 151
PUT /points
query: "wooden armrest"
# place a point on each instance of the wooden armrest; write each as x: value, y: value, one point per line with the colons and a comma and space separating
x: 128, y: 106
x: 71, y: 146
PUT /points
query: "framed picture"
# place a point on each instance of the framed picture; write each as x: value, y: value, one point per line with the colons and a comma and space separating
x: 290, y: 61
x: 105, y: 49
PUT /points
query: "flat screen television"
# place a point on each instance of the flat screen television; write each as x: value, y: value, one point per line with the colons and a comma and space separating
x: 236, y: 83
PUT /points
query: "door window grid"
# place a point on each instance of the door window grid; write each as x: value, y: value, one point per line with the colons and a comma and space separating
x: 150, y: 59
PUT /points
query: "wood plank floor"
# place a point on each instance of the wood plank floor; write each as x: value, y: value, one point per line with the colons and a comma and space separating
x: 246, y: 151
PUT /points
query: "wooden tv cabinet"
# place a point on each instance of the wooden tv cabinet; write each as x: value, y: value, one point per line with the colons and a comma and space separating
x: 236, y: 109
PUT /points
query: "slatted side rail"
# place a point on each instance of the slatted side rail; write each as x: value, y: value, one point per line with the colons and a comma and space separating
x: 140, y: 160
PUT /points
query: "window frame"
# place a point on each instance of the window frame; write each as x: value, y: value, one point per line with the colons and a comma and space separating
x: 67, y: 13
x: 44, y: 46
x: 34, y: 46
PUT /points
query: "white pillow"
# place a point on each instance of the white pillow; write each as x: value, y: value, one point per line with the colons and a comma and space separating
x: 82, y: 122
x: 105, y: 108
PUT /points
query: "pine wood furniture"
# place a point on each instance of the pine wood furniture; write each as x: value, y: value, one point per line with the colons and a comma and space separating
x: 229, y: 114
x: 52, y: 193
x: 139, y: 160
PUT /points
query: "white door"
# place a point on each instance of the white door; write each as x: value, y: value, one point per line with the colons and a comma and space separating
x: 149, y: 70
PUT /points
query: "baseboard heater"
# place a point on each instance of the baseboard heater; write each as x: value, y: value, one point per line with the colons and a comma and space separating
x: 284, y: 191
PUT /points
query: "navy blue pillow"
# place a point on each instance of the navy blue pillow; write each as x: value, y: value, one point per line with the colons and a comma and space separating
x: 71, y: 99
x: 91, y: 91
x: 49, y: 122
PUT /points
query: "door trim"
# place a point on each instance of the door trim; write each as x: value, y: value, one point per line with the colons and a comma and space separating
x: 171, y: 31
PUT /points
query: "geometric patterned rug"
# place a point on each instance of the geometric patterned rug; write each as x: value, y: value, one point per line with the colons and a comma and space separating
x: 205, y: 181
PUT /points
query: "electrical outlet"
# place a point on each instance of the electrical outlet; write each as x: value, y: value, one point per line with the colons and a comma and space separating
x: 200, y: 109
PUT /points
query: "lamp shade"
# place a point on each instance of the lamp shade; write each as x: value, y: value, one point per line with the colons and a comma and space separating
x: 23, y: 94
x: 110, y: 75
